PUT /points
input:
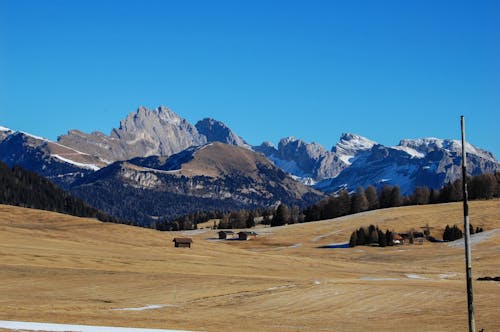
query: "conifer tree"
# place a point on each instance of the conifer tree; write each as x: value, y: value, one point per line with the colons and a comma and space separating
x: 395, y: 198
x: 382, y: 241
x: 282, y: 215
x: 353, y: 239
x: 385, y: 197
x: 360, y: 202
x: 372, y: 198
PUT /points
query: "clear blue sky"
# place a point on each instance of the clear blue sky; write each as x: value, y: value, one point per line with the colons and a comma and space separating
x: 311, y: 69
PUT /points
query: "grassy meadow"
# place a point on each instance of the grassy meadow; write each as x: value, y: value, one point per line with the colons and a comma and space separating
x: 62, y: 269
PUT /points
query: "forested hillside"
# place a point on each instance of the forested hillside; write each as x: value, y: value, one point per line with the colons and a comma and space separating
x: 27, y: 189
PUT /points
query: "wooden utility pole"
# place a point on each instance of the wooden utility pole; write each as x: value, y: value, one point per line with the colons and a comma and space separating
x: 468, y: 265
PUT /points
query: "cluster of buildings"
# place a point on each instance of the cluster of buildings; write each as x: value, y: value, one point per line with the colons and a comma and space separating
x: 185, y: 242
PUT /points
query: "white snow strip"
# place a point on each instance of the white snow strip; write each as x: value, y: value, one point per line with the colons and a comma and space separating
x: 148, y: 307
x: 32, y: 326
x: 36, y: 137
x: 415, y: 276
x: 4, y: 129
x: 446, y: 276
x: 280, y: 287
x: 412, y: 152
x: 69, y: 161
x: 194, y: 232
x: 346, y: 158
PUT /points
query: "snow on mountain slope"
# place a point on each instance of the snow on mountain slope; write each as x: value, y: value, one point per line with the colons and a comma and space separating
x: 426, y: 145
x: 426, y: 162
x: 412, y: 152
x: 49, y: 159
x: 82, y: 165
x: 4, y: 132
x: 308, y: 162
x: 215, y: 176
x: 350, y: 146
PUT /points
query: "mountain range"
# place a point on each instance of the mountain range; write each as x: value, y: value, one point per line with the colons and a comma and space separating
x: 156, y: 165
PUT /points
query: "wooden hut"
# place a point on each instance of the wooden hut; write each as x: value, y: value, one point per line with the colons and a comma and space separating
x: 224, y: 235
x: 182, y: 242
x: 246, y: 235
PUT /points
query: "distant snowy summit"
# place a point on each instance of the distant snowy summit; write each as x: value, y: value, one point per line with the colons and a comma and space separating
x: 350, y: 146
x: 427, y: 162
x: 358, y: 161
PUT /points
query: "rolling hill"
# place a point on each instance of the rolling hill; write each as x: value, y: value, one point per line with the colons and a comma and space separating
x: 62, y: 269
x: 214, y: 176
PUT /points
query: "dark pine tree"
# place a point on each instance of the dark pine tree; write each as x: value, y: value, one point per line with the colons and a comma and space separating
x: 372, y: 198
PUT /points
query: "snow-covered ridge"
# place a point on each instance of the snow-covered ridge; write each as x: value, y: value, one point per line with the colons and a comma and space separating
x: 35, y: 137
x: 82, y: 165
x: 350, y: 145
x: 426, y: 145
x: 4, y: 129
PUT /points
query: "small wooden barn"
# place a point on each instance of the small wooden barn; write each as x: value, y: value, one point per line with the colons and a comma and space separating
x: 224, y: 235
x: 246, y: 235
x: 182, y: 242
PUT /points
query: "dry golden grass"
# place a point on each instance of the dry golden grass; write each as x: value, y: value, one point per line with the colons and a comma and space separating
x: 61, y: 269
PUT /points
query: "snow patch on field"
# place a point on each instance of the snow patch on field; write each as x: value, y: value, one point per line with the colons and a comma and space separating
x: 415, y: 276
x: 474, y: 238
x: 280, y: 287
x: 194, y: 232
x: 32, y: 326
x: 445, y: 276
x: 148, y: 307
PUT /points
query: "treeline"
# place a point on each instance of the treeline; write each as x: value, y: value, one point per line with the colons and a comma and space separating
x: 225, y: 219
x: 273, y: 216
x: 484, y: 186
x: 20, y: 187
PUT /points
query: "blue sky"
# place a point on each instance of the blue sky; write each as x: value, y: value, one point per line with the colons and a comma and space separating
x: 386, y: 70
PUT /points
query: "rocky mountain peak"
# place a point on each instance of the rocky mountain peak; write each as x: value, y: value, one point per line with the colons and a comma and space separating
x: 308, y: 162
x: 427, y: 145
x: 4, y: 132
x: 267, y: 148
x: 142, y: 133
x: 350, y: 145
x: 217, y: 131
x: 290, y: 148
